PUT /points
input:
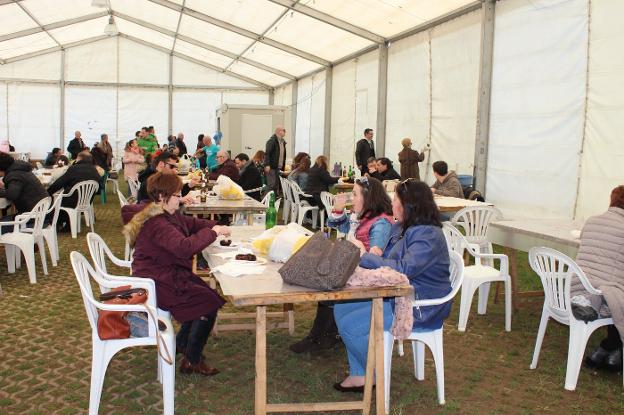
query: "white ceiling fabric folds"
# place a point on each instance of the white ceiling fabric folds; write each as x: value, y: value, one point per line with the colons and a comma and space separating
x: 270, y: 41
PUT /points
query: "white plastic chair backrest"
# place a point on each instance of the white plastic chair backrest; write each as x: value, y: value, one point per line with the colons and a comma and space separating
x: 328, y: 201
x: 122, y: 199
x: 454, y: 239
x: 133, y: 184
x: 56, y: 208
x: 267, y: 198
x: 556, y: 271
x: 38, y: 214
x: 85, y: 191
x: 286, y: 189
x: 100, y: 252
x: 83, y: 271
x: 296, y: 192
x: 475, y: 220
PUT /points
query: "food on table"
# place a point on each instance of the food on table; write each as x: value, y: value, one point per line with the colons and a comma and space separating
x: 245, y: 257
x: 225, y: 242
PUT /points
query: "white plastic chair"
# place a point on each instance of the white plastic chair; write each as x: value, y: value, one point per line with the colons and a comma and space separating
x: 287, y: 208
x: 475, y: 221
x: 104, y: 350
x: 85, y: 191
x: 478, y: 274
x: 133, y: 186
x: 432, y: 339
x: 556, y: 271
x: 123, y: 202
x: 302, y: 207
x: 113, y: 181
x: 49, y: 232
x: 328, y: 202
x: 20, y: 242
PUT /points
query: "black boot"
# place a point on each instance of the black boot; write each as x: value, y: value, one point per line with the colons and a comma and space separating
x: 323, y: 333
x: 197, y: 338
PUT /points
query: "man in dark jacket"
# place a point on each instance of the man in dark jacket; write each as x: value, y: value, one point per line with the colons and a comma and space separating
x: 365, y: 149
x: 250, y: 177
x: 19, y: 185
x: 226, y: 167
x: 76, y: 145
x: 447, y: 183
x: 165, y: 162
x: 275, y: 158
x: 386, y: 171
x: 181, y: 145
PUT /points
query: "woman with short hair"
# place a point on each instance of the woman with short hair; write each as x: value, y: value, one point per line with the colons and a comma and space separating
x: 165, y: 242
x: 416, y: 248
x: 319, y: 180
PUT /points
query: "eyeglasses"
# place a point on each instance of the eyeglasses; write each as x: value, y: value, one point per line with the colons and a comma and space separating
x: 178, y: 195
x: 172, y: 166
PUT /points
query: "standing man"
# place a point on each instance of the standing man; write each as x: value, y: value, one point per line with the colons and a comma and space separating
x: 181, y: 145
x: 364, y: 150
x: 211, y: 150
x: 275, y: 158
x: 76, y: 145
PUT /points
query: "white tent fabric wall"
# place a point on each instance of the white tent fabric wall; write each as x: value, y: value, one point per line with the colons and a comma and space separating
x: 408, y: 112
x: 95, y: 62
x: 139, y: 107
x: 455, y: 50
x: 246, y: 97
x: 187, y: 73
x: 310, y: 115
x: 45, y: 67
x: 283, y: 95
x: 4, y: 122
x: 603, y: 151
x: 537, y: 108
x: 34, y: 117
x: 354, y: 104
x: 141, y: 65
x: 194, y: 113
x: 92, y: 111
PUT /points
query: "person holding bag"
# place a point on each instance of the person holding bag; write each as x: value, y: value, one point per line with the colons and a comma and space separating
x: 165, y: 242
x: 369, y: 224
x: 418, y: 250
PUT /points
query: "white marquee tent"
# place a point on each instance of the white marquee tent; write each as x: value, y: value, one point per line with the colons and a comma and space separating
x: 526, y: 93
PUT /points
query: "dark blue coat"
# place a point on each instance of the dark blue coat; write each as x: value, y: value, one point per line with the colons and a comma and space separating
x: 422, y: 255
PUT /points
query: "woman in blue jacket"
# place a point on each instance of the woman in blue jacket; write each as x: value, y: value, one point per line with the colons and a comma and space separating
x: 417, y: 248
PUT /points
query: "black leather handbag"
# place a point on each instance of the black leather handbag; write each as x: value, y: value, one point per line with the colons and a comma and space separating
x: 321, y: 264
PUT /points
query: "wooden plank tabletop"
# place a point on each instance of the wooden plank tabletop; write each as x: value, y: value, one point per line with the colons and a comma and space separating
x: 215, y: 205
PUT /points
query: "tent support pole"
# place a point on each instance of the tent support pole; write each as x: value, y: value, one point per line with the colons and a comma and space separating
x: 382, y: 100
x: 329, y: 73
x: 271, y: 96
x: 485, y: 90
x: 62, y: 112
x: 293, y: 114
x: 170, y: 91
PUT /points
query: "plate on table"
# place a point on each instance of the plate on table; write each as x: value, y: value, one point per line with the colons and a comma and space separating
x: 258, y: 261
x: 233, y: 245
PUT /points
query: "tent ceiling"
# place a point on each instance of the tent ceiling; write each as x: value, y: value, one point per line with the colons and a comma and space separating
x: 269, y: 41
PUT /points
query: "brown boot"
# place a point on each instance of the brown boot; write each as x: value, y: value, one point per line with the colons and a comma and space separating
x: 200, y: 368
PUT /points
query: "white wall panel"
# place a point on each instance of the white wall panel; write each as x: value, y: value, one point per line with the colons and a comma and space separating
x: 408, y: 94
x: 283, y: 95
x: 34, y: 115
x: 455, y: 50
x: 4, y: 122
x: 95, y: 62
x: 139, y: 64
x: 603, y: 152
x: 249, y: 98
x: 311, y: 115
x: 47, y: 67
x: 194, y: 113
x: 143, y: 107
x: 188, y: 73
x: 538, y: 95
x: 92, y: 111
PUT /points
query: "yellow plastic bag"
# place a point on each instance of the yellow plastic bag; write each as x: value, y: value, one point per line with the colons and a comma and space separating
x: 262, y: 243
x: 227, y: 189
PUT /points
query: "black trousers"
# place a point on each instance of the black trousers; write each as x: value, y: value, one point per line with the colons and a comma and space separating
x: 613, y: 341
x: 193, y: 336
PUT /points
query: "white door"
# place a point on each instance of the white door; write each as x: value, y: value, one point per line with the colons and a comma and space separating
x: 255, y: 131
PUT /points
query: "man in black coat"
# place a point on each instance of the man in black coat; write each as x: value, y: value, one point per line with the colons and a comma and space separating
x: 250, y: 177
x: 76, y: 145
x: 165, y: 162
x: 275, y: 158
x: 364, y: 149
x: 181, y: 145
x: 20, y: 186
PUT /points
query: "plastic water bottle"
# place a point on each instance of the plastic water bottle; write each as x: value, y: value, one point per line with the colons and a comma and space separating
x: 271, y: 214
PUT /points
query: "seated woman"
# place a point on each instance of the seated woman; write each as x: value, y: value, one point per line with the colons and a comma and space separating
x: 600, y: 257
x: 165, y: 242
x: 416, y: 248
x: 370, y: 223
x: 300, y: 174
x: 319, y: 180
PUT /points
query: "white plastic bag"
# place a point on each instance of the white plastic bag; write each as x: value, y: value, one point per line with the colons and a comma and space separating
x: 184, y: 164
x: 227, y: 189
x: 288, y: 241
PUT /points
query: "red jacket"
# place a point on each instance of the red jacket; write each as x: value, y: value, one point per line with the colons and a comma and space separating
x: 164, y: 245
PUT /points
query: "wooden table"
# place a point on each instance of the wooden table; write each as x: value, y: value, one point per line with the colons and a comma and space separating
x: 268, y: 289
x: 524, y: 234
x: 214, y: 206
x: 343, y: 187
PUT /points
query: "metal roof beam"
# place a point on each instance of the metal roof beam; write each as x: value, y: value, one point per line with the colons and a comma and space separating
x: 330, y: 20
x: 53, y: 26
x: 25, y: 10
x: 243, y: 32
x: 203, y: 45
x: 54, y: 49
x: 196, y: 61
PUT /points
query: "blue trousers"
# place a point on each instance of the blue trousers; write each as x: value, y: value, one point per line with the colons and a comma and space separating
x: 353, y: 321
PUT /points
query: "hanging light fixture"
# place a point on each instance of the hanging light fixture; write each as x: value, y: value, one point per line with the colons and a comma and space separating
x: 99, y: 3
x: 111, y: 27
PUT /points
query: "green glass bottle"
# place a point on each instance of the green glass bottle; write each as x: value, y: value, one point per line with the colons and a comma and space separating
x: 271, y: 214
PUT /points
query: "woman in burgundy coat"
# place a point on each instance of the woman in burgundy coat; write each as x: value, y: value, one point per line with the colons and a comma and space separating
x: 164, y: 243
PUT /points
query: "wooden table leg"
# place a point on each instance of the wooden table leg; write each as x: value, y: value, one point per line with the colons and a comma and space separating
x: 250, y: 219
x: 289, y: 316
x: 379, y: 356
x: 369, y: 378
x: 261, y: 362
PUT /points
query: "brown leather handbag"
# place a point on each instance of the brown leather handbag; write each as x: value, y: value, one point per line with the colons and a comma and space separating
x: 113, y: 324
x: 321, y: 264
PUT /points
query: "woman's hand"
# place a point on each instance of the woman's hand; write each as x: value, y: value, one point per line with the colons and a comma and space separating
x: 221, y: 230
x: 358, y: 244
x: 375, y: 250
x: 340, y: 201
x: 187, y: 200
